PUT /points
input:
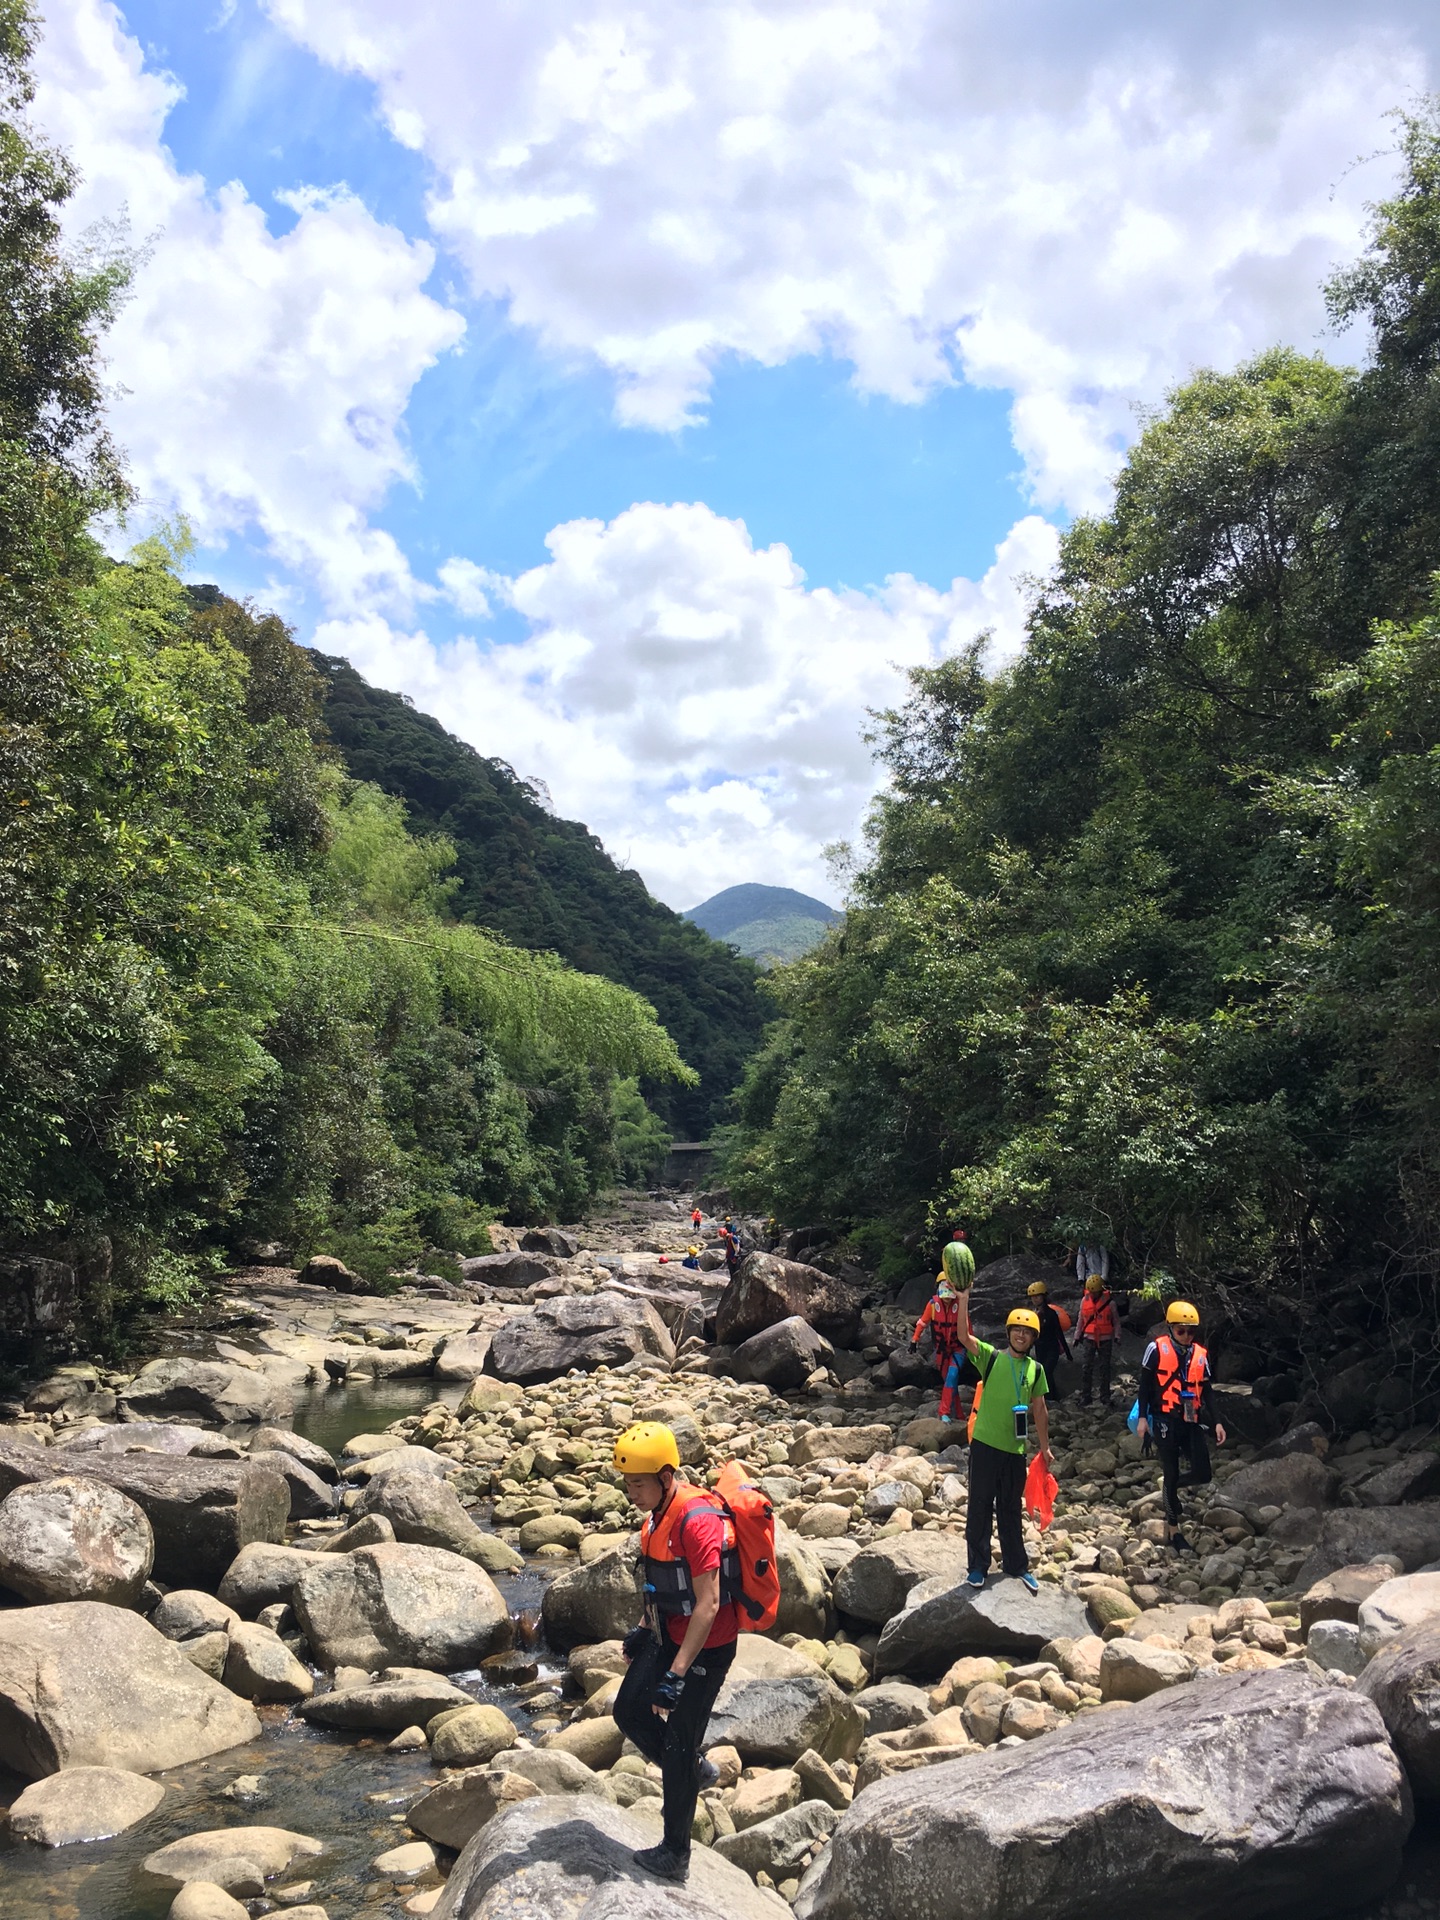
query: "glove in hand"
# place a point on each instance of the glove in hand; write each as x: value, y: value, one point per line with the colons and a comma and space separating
x: 635, y: 1642
x: 668, y: 1691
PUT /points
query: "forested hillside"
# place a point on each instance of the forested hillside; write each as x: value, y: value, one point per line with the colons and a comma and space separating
x: 1146, y: 944
x: 548, y: 883
x: 770, y: 925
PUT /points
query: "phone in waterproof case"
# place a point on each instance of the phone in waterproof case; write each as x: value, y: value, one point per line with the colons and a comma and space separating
x: 1022, y: 1422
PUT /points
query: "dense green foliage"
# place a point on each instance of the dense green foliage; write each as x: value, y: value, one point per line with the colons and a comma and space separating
x: 545, y: 882
x: 1146, y: 945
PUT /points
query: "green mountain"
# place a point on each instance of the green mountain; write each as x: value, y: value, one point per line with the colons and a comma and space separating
x: 768, y: 924
x: 549, y: 883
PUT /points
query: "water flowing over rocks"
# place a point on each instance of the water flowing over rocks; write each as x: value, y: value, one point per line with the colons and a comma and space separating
x: 83, y: 1803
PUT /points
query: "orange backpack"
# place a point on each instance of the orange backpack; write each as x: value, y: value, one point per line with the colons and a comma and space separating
x: 753, y: 1518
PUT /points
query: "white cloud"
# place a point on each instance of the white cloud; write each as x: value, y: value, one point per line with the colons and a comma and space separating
x: 687, y: 695
x: 263, y: 380
x: 1075, y: 205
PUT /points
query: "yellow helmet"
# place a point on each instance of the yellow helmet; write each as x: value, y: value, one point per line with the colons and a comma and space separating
x: 1037, y: 1290
x: 646, y: 1448
x: 1095, y: 1284
x: 1180, y: 1313
x: 1024, y: 1317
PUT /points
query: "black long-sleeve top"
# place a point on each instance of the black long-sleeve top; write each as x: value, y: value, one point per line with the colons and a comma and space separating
x: 1150, y: 1388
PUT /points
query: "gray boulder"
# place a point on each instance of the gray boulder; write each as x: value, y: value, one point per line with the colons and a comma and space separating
x: 766, y: 1289
x: 1416, y: 1477
x: 596, y: 1601
x: 775, y: 1703
x: 779, y: 1845
x: 459, y: 1805
x: 1267, y: 1793
x: 187, y: 1612
x: 74, y: 1539
x: 569, y: 1856
x: 463, y: 1356
x: 201, y: 1512
x: 1404, y: 1682
x: 399, y: 1460
x: 400, y: 1606
x: 86, y: 1685
x: 210, y: 1390
x: 259, y: 1666
x: 506, y: 1270
x: 1293, y: 1480
x: 423, y: 1511
x: 552, y: 1240
x: 150, y: 1436
x: 318, y: 1459
x: 240, y: 1859
x: 1352, y: 1535
x: 1410, y: 1600
x: 892, y: 1705
x: 311, y: 1498
x: 876, y: 1583
x: 578, y: 1330
x: 261, y: 1574
x: 781, y: 1356
x: 83, y: 1803
x: 804, y: 1587
x: 940, y: 1622
x: 1335, y: 1646
x: 1339, y: 1595
x: 400, y: 1698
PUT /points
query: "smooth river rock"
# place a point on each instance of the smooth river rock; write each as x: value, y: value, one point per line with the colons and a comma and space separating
x: 767, y: 1289
x: 775, y: 1704
x: 400, y: 1606
x: 74, y: 1538
x: 1404, y: 1682
x: 597, y: 1601
x: 940, y: 1622
x: 578, y: 1330
x: 400, y: 1698
x: 214, y: 1390
x: 83, y: 1684
x: 569, y: 1858
x: 783, y: 1356
x: 240, y: 1859
x: 423, y: 1511
x: 83, y: 1803
x: 1268, y: 1793
x: 876, y: 1583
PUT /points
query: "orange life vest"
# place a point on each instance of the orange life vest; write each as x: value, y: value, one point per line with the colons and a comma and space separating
x: 1097, y: 1317
x: 749, y: 1576
x: 1180, y: 1380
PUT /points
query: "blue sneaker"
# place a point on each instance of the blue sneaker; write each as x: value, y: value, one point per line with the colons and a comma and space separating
x: 974, y: 1578
x: 1030, y: 1583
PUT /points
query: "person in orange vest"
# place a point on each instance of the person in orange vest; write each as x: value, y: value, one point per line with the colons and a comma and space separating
x: 942, y: 1315
x: 682, y: 1650
x: 1176, y: 1406
x: 695, y: 1218
x: 1097, y: 1331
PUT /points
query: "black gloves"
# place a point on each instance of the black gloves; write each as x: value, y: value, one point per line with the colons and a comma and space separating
x: 636, y: 1641
x: 668, y: 1691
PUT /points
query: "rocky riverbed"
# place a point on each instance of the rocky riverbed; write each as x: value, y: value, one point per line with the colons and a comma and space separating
x: 320, y: 1610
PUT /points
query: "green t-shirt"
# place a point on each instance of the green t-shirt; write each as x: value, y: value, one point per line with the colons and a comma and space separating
x: 958, y: 1262
x: 1009, y: 1383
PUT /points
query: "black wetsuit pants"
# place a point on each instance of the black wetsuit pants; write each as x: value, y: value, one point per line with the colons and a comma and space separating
x: 673, y: 1744
x: 997, y: 1496
x: 1178, y: 1440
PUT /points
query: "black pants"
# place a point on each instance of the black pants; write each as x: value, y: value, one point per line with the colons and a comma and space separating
x: 674, y: 1744
x: 1100, y: 1350
x: 1177, y: 1440
x: 997, y: 1494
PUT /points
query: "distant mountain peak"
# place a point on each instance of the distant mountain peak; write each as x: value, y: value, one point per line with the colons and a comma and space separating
x: 768, y: 924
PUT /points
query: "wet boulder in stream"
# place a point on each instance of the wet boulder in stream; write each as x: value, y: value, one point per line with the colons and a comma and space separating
x: 599, y: 1600
x: 400, y: 1606
x: 423, y: 1510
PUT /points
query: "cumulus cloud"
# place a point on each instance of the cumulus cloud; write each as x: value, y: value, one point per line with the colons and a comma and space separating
x: 687, y: 694
x: 1075, y: 205
x: 261, y: 379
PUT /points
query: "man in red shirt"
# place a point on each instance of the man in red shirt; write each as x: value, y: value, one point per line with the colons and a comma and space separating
x: 681, y: 1652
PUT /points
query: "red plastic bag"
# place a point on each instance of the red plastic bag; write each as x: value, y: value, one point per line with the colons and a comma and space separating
x: 1041, y: 1487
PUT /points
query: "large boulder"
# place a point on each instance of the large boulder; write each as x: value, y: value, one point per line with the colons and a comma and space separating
x: 201, y: 1512
x: 1415, y: 1477
x: 400, y: 1606
x: 1340, y: 1594
x: 149, y: 1436
x: 83, y: 1803
x: 1404, y: 1682
x: 400, y: 1698
x: 309, y: 1453
x: 1292, y: 1480
x: 1268, y: 1793
x: 566, y: 1856
x: 210, y: 1390
x: 1351, y: 1535
x: 240, y: 1859
x: 424, y: 1511
x: 261, y: 1574
x: 455, y: 1810
x: 876, y: 1583
x: 259, y: 1665
x: 1411, y: 1600
x: 804, y: 1587
x: 775, y: 1703
x: 840, y: 1443
x: 74, y: 1539
x: 781, y: 1356
x: 551, y: 1240
x: 941, y: 1621
x: 86, y: 1685
x: 599, y: 1600
x: 463, y: 1356
x: 506, y: 1269
x: 311, y: 1498
x: 578, y: 1330
x: 766, y: 1289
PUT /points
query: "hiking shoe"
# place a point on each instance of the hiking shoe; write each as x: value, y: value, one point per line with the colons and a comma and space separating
x: 947, y: 1419
x: 974, y: 1578
x: 664, y: 1864
x: 1029, y: 1582
x: 706, y: 1772
x: 1180, y: 1543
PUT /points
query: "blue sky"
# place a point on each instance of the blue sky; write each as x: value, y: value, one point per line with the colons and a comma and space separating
x: 643, y: 391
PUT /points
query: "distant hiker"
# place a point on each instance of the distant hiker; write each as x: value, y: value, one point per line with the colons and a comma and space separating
x: 692, y: 1258
x: 1055, y: 1323
x: 695, y: 1218
x: 1177, y: 1405
x: 941, y: 1313
x: 1015, y: 1388
x: 1091, y: 1259
x: 1097, y: 1332
x: 680, y: 1654
x: 730, y: 1241
x: 958, y: 1261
